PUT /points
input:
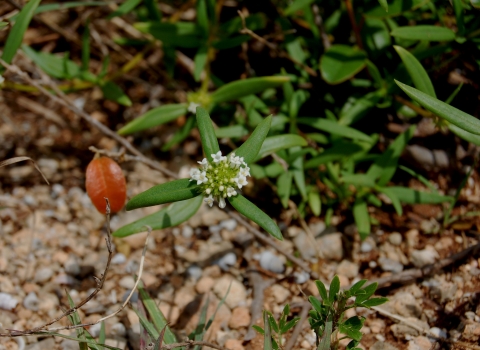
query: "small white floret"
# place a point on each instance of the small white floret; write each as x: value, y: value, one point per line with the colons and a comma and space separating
x: 209, y: 200
x: 217, y: 157
x: 204, y: 163
x: 221, y: 203
x: 192, y: 107
x: 202, y: 178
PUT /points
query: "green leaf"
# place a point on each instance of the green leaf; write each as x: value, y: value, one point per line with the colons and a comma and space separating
x: 334, y: 289
x: 251, y: 211
x: 325, y: 341
x: 156, y: 315
x: 341, y: 62
x: 340, y: 150
x: 103, y: 334
x: 55, y: 66
x: 251, y: 148
x: 458, y: 8
x: 296, y: 6
x: 298, y: 172
x: 156, y: 116
x: 127, y: 7
x: 202, y: 17
x: 419, y: 76
x: 385, y: 166
x: 411, y: 196
x: 353, y: 289
x: 395, y: 200
x: 289, y: 325
x: 170, y: 216
x: 284, y: 186
x: 384, y: 4
x: 424, y: 32
x: 173, y: 191
x: 315, y: 203
x: 463, y: 134
x: 322, y: 290
x: 443, y: 110
x: 14, y: 39
x: 240, y: 88
x: 179, y: 34
x: 86, y: 47
x: 200, y: 60
x: 207, y: 134
x: 374, y: 302
x: 362, y: 219
x: 276, y: 143
x: 75, y: 320
x: 113, y: 92
x: 334, y: 128
x: 352, y: 327
x: 149, y: 327
x: 267, y: 338
x: 369, y: 290
x: 181, y: 134
x: 317, y: 305
x: 356, y: 108
x: 234, y: 131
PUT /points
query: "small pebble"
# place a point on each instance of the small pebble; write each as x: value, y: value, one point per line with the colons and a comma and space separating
x: 95, y: 330
x: 195, y: 272
x: 423, y: 257
x: 127, y: 282
x: 227, y: 261
x: 187, y: 232
x: 43, y: 275
x: 395, y: 238
x: 118, y: 259
x: 72, y: 266
x: 390, y: 265
x: 366, y: 247
x: 118, y: 329
x: 301, y: 277
x: 229, y: 224
x: 271, y: 262
x: 31, y: 301
x: 439, y: 333
x: 7, y: 302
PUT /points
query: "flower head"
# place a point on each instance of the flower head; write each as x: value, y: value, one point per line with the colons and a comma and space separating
x: 221, y: 178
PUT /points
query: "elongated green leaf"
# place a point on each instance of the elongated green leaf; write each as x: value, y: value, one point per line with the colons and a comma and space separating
x: 284, y: 186
x: 55, y: 66
x: 351, y: 328
x: 276, y: 143
x: 179, y: 34
x: 125, y: 8
x: 240, y: 88
x: 234, y: 131
x: 149, y: 327
x: 199, y: 61
x: 251, y: 211
x: 267, y: 337
x: 207, y: 134
x: 334, y: 289
x: 374, y: 302
x: 170, y: 216
x: 463, y: 134
x: 250, y: 148
x: 384, y: 4
x: 358, y: 180
x: 385, y: 166
x: 296, y: 6
x: 3, y: 24
x: 298, y: 172
x: 411, y: 196
x: 181, y: 134
x: 362, y: 219
x: 453, y: 115
x: 369, y: 290
x: 14, y: 39
x: 419, y: 75
x: 353, y: 289
x: 75, y: 320
x: 340, y: 150
x: 424, y: 32
x: 341, y: 62
x: 325, y: 341
x: 78, y: 340
x: 156, y: 116
x: 322, y: 290
x: 395, y: 200
x: 315, y: 203
x: 86, y: 47
x: 334, y: 128
x: 63, y: 6
x: 173, y: 191
x: 157, y: 316
x: 458, y: 8
x: 355, y: 109
x: 113, y: 92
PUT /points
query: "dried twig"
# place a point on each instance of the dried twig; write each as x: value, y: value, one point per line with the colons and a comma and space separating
x: 21, y: 159
x: 280, y: 53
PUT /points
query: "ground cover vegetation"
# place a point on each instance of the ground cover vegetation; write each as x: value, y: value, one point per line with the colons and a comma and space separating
x: 286, y: 142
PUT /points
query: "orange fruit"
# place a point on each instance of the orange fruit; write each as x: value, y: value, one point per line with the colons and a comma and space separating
x: 105, y: 178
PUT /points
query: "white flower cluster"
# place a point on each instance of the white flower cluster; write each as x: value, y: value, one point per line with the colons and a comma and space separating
x: 221, y: 178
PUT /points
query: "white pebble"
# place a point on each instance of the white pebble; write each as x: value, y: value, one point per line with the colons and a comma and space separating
x: 118, y: 259
x: 31, y: 301
x: 227, y: 261
x: 7, y: 302
x: 118, y: 329
x: 271, y: 262
x: 187, y: 232
x: 229, y: 225
x: 301, y: 277
x: 43, y: 275
x: 366, y: 247
x: 95, y: 330
x: 439, y: 333
x: 194, y: 271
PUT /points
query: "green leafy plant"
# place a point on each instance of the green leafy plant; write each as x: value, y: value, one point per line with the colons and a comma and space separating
x: 274, y: 331
x: 327, y: 318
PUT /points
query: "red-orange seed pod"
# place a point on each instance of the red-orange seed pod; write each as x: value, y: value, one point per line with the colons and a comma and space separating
x: 105, y: 178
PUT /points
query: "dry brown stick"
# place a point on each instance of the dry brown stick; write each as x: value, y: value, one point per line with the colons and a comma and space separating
x: 64, y: 101
x: 356, y: 30
x: 281, y: 53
